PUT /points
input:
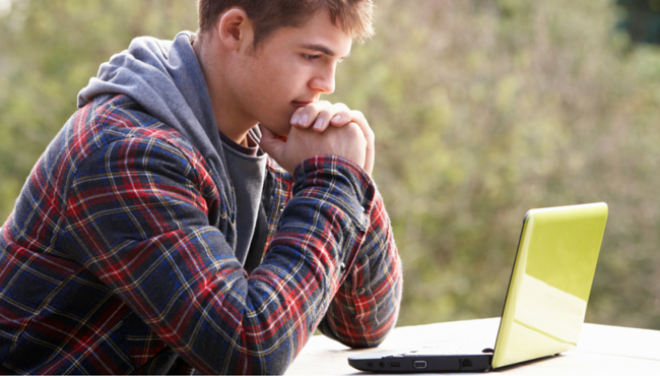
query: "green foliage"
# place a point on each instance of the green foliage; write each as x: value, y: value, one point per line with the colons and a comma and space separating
x: 482, y: 109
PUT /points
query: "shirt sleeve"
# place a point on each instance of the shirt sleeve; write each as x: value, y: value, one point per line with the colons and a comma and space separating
x: 138, y: 218
x: 367, y: 304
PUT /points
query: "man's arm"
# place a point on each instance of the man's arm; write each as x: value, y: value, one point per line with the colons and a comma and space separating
x: 137, y: 217
x: 367, y: 304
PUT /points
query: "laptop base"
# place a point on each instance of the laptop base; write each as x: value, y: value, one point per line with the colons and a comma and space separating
x: 423, y: 363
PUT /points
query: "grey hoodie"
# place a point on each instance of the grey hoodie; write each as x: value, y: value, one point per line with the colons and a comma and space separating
x: 165, y: 78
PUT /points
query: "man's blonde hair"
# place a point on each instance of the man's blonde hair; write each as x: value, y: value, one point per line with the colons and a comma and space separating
x: 351, y: 16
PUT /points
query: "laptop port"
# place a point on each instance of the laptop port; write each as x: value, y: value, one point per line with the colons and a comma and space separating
x: 395, y: 365
x: 466, y: 364
x: 419, y: 364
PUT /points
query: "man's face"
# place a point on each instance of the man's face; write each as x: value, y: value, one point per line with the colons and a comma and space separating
x: 290, y: 69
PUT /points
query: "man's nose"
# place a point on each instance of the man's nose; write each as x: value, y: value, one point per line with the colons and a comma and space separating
x: 324, y: 82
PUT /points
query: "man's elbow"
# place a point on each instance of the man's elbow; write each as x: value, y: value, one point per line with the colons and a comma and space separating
x: 361, y: 334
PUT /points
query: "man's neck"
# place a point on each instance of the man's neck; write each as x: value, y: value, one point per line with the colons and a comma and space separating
x: 229, y: 118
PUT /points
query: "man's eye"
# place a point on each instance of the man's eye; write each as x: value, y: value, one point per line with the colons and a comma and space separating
x: 311, y: 57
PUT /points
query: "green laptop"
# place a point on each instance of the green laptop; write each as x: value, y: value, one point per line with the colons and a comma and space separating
x: 545, y: 304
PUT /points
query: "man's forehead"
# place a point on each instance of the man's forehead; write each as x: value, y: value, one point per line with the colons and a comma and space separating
x: 320, y: 34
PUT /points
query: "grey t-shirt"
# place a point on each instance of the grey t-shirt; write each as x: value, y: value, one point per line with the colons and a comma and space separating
x: 247, y: 170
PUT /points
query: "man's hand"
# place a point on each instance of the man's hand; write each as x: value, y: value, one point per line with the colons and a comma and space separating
x: 319, y: 115
x: 347, y: 142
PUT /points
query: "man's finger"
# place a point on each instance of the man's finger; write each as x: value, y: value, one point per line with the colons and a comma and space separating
x: 306, y: 116
x: 361, y: 121
x: 272, y: 144
x: 341, y: 118
x: 323, y: 119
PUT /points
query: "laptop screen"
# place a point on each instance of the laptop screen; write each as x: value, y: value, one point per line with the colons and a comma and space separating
x: 550, y: 284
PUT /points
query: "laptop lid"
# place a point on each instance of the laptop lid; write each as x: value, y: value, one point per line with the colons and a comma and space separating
x: 545, y: 303
x: 550, y: 284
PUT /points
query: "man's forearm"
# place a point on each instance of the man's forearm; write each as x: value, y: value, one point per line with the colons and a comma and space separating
x: 367, y: 304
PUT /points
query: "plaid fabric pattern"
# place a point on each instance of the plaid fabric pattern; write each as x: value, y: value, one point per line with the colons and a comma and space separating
x: 116, y: 258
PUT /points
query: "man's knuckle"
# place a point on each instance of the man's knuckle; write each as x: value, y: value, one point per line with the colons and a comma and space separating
x: 312, y: 107
x: 325, y: 112
x: 355, y: 129
x: 357, y: 114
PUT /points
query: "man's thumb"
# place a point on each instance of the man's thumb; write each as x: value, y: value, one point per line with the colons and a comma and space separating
x: 272, y: 144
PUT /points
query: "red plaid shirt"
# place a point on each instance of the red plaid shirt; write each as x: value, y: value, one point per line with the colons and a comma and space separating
x: 118, y: 259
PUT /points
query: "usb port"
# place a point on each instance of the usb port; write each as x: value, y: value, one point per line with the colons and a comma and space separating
x: 395, y: 365
x: 419, y: 364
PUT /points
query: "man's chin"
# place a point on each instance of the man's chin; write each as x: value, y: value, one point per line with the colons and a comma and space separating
x: 281, y: 130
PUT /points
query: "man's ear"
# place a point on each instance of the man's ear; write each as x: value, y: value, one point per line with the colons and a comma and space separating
x: 235, y: 29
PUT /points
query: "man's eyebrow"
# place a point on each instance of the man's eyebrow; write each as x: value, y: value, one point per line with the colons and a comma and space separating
x: 322, y: 49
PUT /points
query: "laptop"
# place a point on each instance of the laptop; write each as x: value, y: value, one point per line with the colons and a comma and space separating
x: 545, y: 303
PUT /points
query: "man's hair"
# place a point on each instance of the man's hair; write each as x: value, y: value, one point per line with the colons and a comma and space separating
x: 351, y: 16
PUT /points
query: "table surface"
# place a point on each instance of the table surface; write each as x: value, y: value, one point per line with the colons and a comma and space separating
x: 602, y: 350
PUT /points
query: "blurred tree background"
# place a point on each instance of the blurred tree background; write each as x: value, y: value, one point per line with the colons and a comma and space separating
x: 482, y: 109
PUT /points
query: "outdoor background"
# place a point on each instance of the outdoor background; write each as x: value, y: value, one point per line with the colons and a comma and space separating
x: 482, y: 110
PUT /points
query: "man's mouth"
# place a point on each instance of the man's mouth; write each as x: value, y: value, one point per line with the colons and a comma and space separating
x: 298, y: 104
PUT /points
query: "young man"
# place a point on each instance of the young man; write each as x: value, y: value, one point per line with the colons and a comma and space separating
x: 154, y: 235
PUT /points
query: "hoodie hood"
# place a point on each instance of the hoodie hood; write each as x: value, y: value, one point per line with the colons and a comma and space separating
x: 165, y: 78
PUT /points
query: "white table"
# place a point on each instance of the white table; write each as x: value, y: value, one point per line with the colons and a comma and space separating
x: 602, y: 350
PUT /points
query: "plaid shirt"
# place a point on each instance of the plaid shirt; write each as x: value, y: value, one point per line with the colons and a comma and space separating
x: 117, y: 258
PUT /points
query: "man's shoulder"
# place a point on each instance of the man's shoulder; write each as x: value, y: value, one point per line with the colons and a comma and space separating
x: 118, y: 118
x: 121, y: 116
